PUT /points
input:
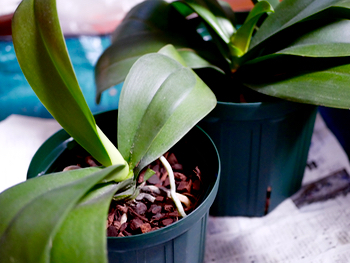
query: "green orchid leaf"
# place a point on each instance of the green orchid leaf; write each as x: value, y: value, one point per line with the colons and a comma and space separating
x: 148, y: 174
x: 241, y: 39
x: 146, y: 28
x: 216, y: 28
x: 43, y: 57
x: 82, y: 236
x: 212, y: 13
x: 259, y: 9
x: 229, y: 13
x: 148, y: 16
x: 289, y: 13
x: 189, y: 58
x: 194, y: 61
x: 319, y: 81
x: 331, y: 40
x: 158, y: 116
x: 127, y: 193
x: 314, y: 88
x: 44, y: 211
x: 29, y: 190
x: 235, y: 52
x: 273, y: 3
x: 116, y: 61
x: 214, y: 25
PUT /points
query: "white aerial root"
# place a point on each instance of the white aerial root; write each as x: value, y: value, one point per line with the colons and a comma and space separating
x: 124, y: 218
x: 184, y: 199
x: 173, y: 193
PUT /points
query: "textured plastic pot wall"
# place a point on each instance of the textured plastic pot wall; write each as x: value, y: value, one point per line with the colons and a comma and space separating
x: 261, y: 145
x: 183, y: 241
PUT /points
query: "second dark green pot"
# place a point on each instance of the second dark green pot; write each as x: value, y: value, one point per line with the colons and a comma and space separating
x: 262, y: 146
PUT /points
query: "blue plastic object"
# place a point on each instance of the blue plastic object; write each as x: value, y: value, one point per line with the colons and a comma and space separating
x: 17, y: 97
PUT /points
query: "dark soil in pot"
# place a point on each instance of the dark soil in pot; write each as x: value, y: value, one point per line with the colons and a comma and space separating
x: 153, y: 208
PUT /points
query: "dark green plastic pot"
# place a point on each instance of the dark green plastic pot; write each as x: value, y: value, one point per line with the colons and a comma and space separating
x: 261, y: 145
x: 183, y: 241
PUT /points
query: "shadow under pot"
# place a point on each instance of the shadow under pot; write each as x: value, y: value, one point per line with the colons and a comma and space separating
x: 263, y: 149
x: 181, y: 241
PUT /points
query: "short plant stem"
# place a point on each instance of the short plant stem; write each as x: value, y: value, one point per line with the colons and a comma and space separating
x: 172, y: 186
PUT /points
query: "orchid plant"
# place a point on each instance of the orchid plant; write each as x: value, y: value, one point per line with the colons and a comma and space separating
x: 61, y: 217
x: 297, y: 50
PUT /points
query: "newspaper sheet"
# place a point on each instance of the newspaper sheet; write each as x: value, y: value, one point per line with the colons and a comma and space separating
x: 311, y: 226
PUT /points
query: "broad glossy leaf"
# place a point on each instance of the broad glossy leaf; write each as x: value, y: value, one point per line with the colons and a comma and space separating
x: 332, y: 40
x: 229, y: 13
x: 158, y: 116
x: 82, y: 236
x: 260, y: 8
x: 116, y: 61
x: 291, y: 12
x: 216, y: 26
x: 273, y: 3
x: 147, y: 28
x: 194, y: 61
x: 45, y: 213
x: 149, y: 16
x: 16, y: 198
x: 319, y: 81
x: 42, y: 54
x: 211, y: 12
x: 241, y: 39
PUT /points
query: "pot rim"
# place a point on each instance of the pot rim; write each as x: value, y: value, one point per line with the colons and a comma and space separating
x: 255, y: 111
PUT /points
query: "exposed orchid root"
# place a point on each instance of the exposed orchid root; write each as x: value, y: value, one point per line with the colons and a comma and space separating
x: 173, y: 193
